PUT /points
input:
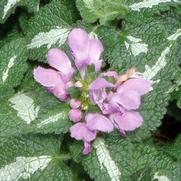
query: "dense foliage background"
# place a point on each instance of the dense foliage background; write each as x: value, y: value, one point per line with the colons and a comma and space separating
x: 34, y: 139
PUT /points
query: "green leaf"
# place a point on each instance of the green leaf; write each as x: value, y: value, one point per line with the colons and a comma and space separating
x: 13, y: 57
x: 33, y: 112
x: 150, y: 47
x: 7, y: 7
x: 116, y: 159
x: 48, y: 28
x: 32, y: 158
x: 173, y: 149
x: 151, y: 6
x: 104, y: 10
x: 74, y: 92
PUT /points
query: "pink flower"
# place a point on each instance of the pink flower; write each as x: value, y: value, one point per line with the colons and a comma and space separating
x: 97, y: 91
x: 127, y: 121
x: 60, y: 61
x: 86, y: 49
x: 75, y: 115
x: 80, y: 131
x: 55, y: 81
x: 98, y: 122
x: 52, y: 80
x: 74, y: 103
x: 115, y: 98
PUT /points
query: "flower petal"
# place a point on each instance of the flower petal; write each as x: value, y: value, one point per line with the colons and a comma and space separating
x: 106, y: 108
x: 95, y: 51
x: 98, y: 122
x: 74, y: 103
x: 129, y: 100
x: 140, y: 85
x: 59, y: 60
x: 78, y: 41
x: 79, y: 131
x: 75, y: 115
x: 111, y: 74
x: 97, y: 96
x: 87, y: 148
x: 128, y: 121
x: 59, y: 91
x: 100, y: 83
x: 47, y: 77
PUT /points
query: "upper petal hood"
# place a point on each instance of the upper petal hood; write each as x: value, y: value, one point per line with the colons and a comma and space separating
x: 140, y: 85
x: 47, y: 77
x: 78, y: 41
x: 95, y: 51
x: 60, y: 61
x: 129, y: 100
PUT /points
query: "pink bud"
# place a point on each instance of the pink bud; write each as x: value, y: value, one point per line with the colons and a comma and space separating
x: 87, y: 148
x: 75, y: 115
x: 74, y: 103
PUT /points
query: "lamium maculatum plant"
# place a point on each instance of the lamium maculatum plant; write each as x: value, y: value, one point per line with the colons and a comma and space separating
x: 115, y: 98
x: 90, y: 90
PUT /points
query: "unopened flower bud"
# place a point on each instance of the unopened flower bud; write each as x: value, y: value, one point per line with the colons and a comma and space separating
x: 75, y: 115
x: 74, y: 103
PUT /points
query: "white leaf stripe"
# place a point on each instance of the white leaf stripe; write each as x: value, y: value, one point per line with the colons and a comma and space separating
x: 136, y: 45
x: 151, y: 72
x: 6, y: 71
x: 56, y: 35
x: 25, y: 107
x: 10, y: 4
x: 175, y: 35
x: 106, y: 161
x: 23, y: 167
x: 148, y: 4
x: 49, y: 120
x: 160, y: 177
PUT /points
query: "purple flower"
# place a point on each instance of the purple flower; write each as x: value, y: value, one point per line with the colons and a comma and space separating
x: 86, y: 49
x: 52, y: 80
x: 56, y: 81
x: 130, y: 100
x: 59, y: 60
x: 74, y: 103
x: 87, y: 148
x: 116, y: 98
x: 111, y: 74
x: 127, y: 121
x: 75, y: 115
x: 80, y: 131
x: 140, y: 85
x: 98, y: 122
x: 97, y: 91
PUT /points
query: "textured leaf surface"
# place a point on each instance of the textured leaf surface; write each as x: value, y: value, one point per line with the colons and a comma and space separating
x: 48, y: 28
x: 117, y: 159
x: 33, y: 112
x: 8, y: 6
x: 32, y: 158
x: 13, y: 57
x: 102, y: 10
x: 151, y: 48
x: 173, y: 149
x: 105, y: 10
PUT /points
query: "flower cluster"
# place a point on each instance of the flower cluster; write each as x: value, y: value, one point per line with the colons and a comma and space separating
x: 100, y: 102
